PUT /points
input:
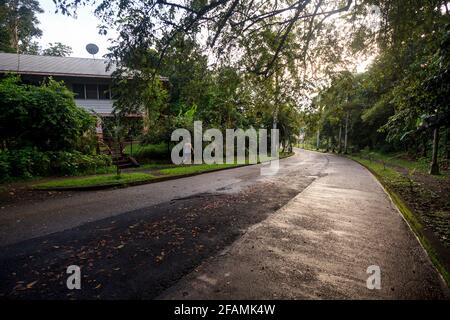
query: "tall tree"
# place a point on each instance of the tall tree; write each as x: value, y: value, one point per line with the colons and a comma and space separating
x: 19, y: 25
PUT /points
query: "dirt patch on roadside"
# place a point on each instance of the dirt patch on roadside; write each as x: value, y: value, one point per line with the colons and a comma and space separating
x: 138, y: 254
x: 429, y: 197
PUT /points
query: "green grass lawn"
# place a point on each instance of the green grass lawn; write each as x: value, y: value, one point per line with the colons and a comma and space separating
x: 400, y: 159
x: 149, y: 151
x: 194, y: 169
x: 178, y: 170
x: 96, y: 180
x: 389, y: 175
x: 397, y: 159
x: 127, y: 178
x: 151, y: 171
x: 152, y: 166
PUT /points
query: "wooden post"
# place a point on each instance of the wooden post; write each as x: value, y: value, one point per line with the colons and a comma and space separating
x: 434, y: 168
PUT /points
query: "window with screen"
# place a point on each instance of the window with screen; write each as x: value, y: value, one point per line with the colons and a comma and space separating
x: 104, y: 92
x: 78, y: 90
x: 91, y: 91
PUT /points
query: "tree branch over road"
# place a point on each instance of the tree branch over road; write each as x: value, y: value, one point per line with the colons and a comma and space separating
x: 227, y: 23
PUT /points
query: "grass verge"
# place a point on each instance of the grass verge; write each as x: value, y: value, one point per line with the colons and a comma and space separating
x: 402, y: 160
x: 194, y: 169
x: 97, y: 180
x: 157, y: 172
x: 387, y: 177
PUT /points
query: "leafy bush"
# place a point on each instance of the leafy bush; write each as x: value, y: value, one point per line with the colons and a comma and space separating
x: 44, y: 116
x: 30, y: 162
x: 4, y: 166
x: 40, y: 126
x: 72, y: 163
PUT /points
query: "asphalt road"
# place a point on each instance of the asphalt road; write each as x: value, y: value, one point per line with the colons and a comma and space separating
x: 309, y: 232
x: 30, y: 220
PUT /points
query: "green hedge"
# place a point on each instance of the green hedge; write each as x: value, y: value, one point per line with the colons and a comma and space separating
x: 30, y: 162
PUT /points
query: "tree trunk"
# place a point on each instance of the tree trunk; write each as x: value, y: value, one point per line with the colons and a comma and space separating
x: 346, y: 133
x: 447, y: 143
x: 434, y: 168
x: 318, y: 139
x: 340, y: 138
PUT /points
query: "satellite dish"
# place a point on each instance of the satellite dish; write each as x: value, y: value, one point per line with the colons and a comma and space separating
x: 92, y: 49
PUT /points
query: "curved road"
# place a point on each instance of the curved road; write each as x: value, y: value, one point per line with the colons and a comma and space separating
x: 320, y: 245
x: 310, y: 232
x: 30, y: 220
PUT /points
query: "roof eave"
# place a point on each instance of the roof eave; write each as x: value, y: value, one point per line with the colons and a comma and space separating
x: 37, y: 73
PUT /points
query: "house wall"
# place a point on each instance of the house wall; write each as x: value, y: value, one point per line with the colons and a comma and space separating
x: 103, y: 107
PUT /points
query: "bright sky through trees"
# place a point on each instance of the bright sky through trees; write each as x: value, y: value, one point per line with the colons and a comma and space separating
x: 72, y: 32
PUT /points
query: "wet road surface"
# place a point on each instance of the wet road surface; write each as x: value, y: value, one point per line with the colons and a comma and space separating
x: 311, y: 231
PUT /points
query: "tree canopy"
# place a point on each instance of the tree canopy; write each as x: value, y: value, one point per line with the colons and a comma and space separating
x: 19, y: 25
x: 57, y: 49
x: 242, y: 62
x: 401, y: 99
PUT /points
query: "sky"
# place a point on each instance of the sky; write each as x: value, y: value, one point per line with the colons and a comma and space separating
x: 76, y: 33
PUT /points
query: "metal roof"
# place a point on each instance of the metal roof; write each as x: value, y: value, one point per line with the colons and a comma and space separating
x: 58, y: 66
